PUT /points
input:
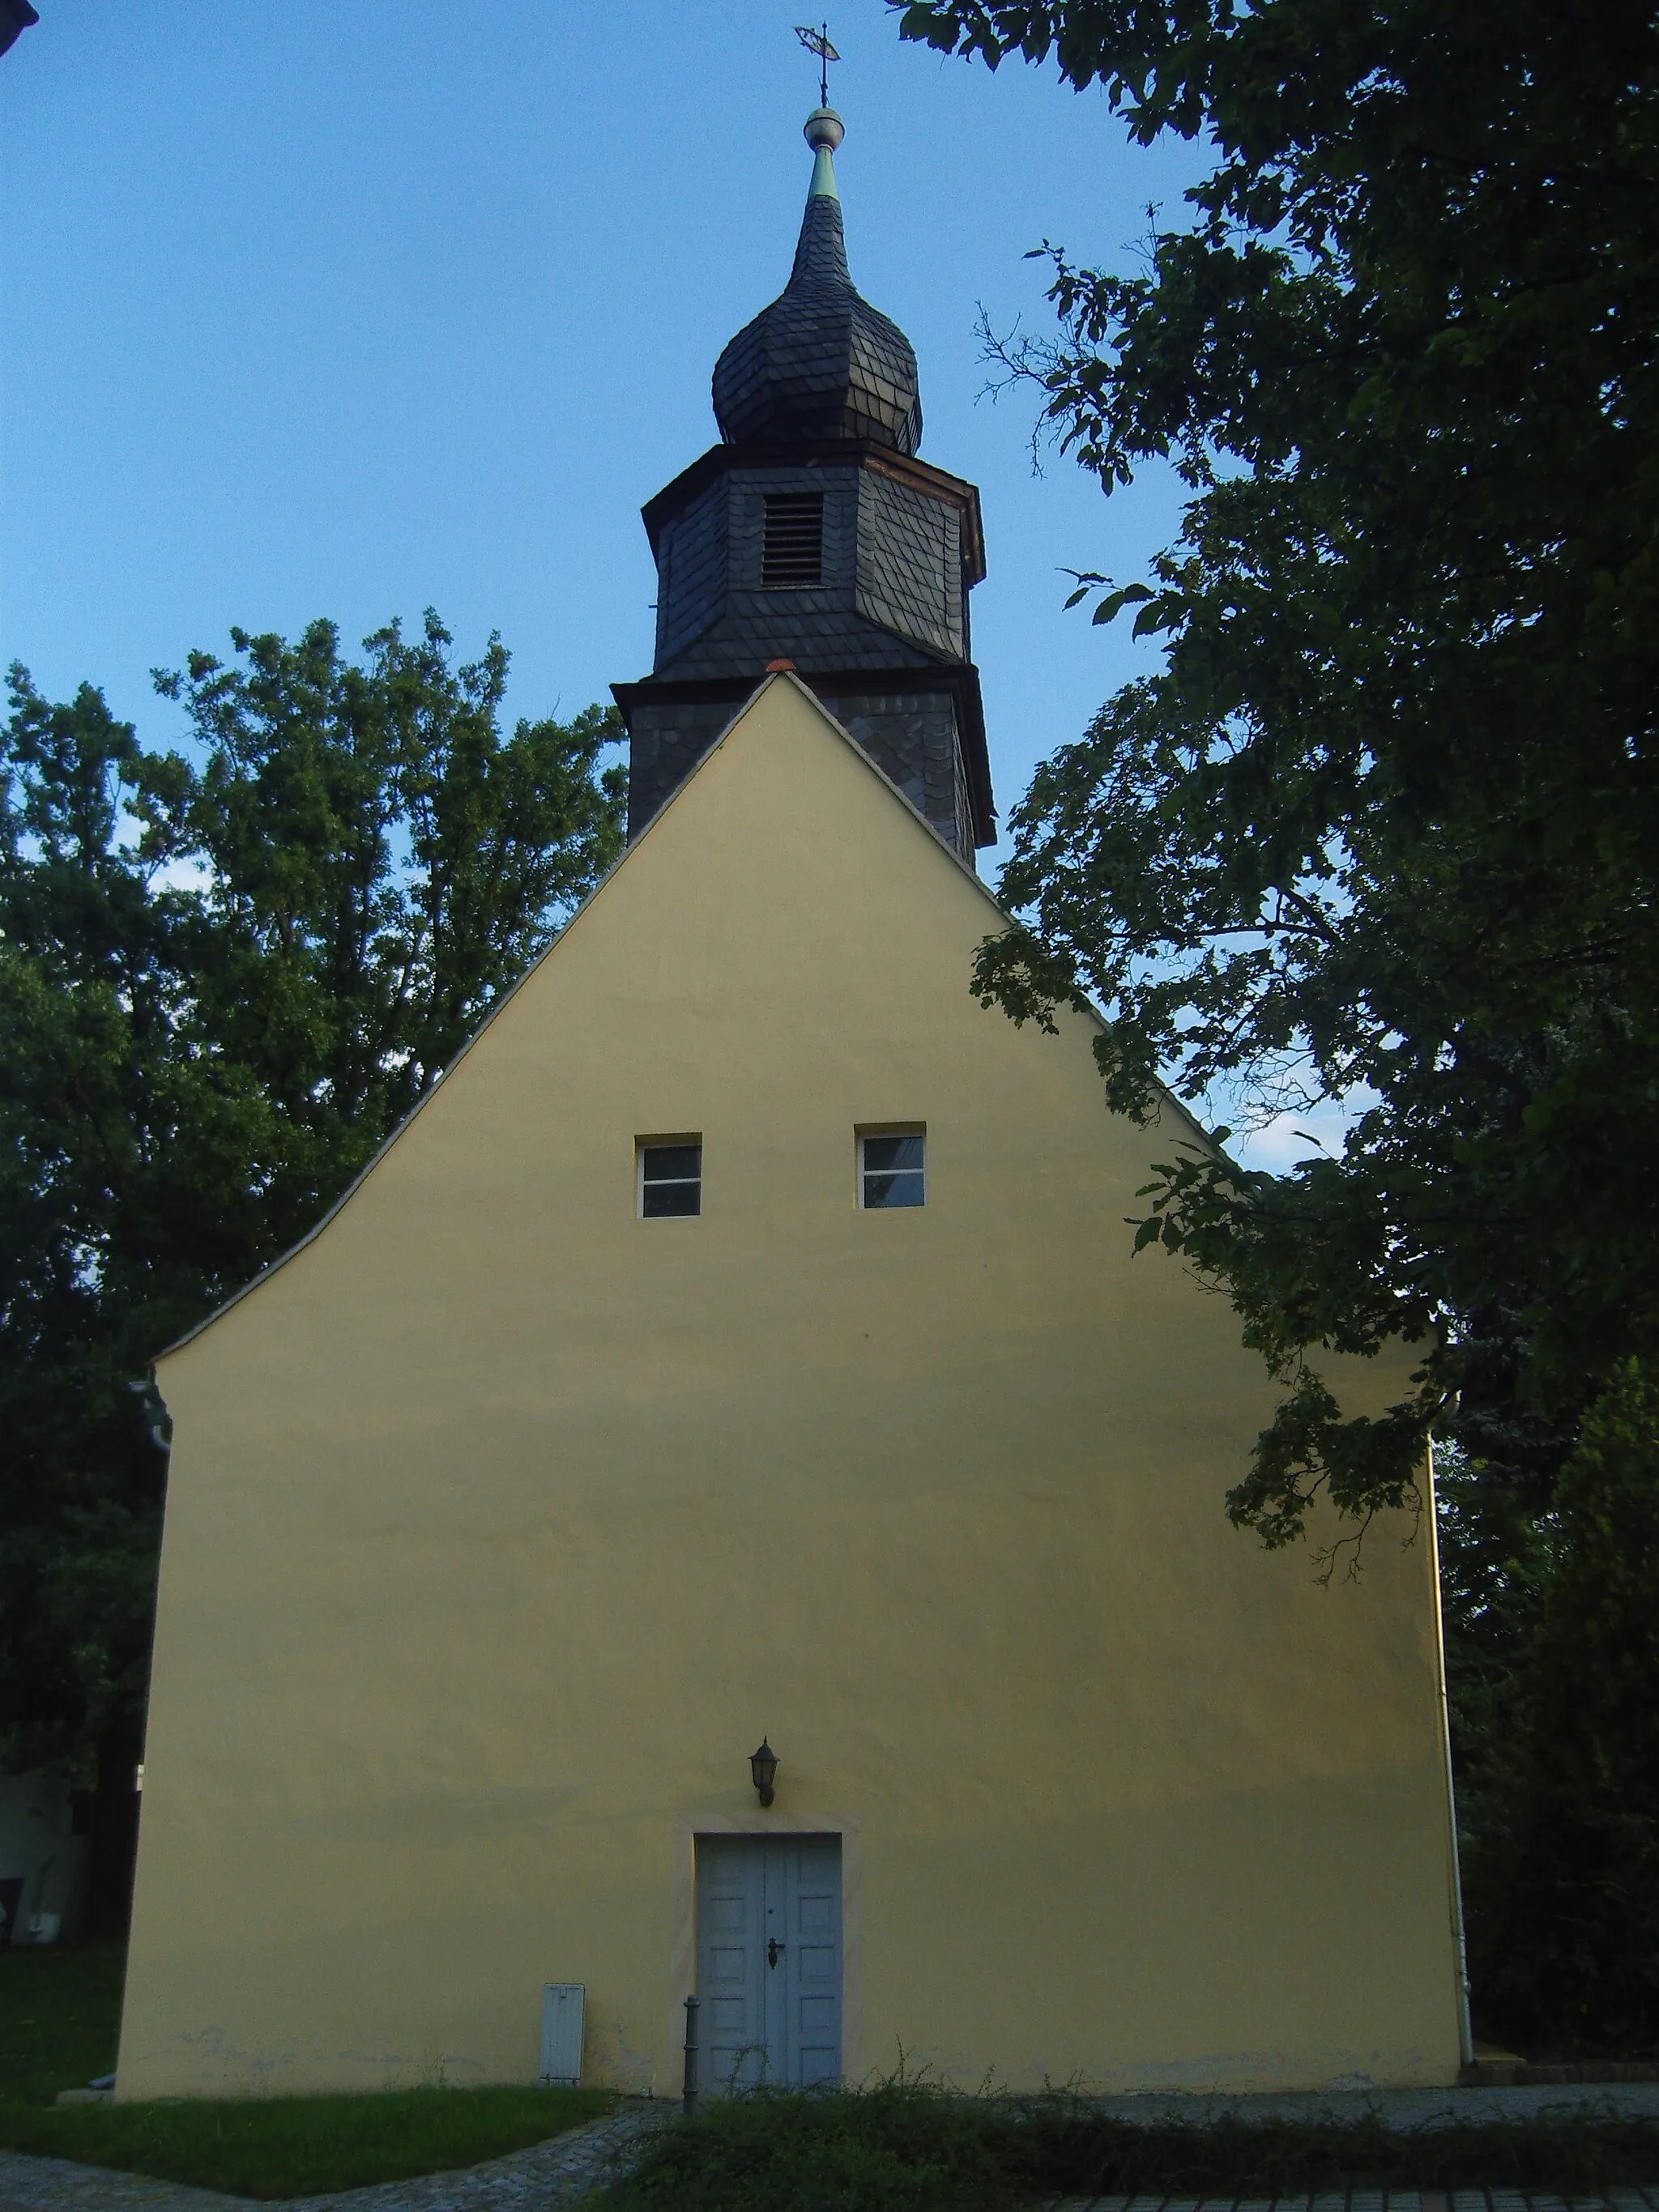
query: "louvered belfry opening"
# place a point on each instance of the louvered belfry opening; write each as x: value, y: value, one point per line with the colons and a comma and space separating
x: 791, y: 539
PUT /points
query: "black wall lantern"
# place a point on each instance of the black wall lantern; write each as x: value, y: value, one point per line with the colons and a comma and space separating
x: 763, y: 1765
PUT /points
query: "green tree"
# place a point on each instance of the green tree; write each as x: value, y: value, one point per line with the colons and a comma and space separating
x: 1554, y: 1660
x: 1383, y: 826
x: 224, y: 979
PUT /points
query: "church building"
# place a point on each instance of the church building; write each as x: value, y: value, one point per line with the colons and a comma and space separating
x: 717, y: 1511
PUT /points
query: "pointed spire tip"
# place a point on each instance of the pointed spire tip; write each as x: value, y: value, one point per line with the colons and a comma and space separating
x: 823, y: 132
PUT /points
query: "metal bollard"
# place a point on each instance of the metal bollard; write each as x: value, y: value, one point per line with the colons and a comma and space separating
x: 689, y: 2102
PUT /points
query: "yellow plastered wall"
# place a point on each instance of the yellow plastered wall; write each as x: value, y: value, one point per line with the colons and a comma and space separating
x: 502, y: 1523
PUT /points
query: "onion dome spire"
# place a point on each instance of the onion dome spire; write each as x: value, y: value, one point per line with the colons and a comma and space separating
x: 819, y: 363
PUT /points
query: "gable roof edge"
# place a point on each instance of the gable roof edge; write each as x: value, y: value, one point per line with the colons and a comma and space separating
x: 291, y: 1251
x: 1166, y: 1095
x: 927, y: 828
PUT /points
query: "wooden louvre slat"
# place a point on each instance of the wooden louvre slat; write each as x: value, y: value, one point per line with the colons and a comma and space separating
x: 791, y: 539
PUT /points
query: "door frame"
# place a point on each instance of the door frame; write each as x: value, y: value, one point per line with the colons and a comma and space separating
x: 683, y: 1958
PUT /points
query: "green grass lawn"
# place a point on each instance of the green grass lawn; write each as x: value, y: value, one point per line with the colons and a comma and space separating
x: 59, y: 2018
x: 60, y: 2015
x: 301, y: 2146
x: 897, y: 2147
x: 905, y: 2146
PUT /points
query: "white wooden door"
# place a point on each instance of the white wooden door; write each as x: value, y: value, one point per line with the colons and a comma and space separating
x: 730, y: 1961
x: 768, y: 1960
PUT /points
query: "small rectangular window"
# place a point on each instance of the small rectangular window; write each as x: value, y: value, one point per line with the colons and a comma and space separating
x: 893, y: 1168
x: 670, y: 1176
x: 791, y: 539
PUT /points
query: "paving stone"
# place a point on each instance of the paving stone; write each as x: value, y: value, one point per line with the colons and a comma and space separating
x: 1409, y: 2108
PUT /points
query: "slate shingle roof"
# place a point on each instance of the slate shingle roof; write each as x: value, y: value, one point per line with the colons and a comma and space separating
x: 818, y: 396
x: 819, y: 362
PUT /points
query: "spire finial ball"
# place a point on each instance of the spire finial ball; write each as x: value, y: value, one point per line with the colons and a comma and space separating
x: 823, y: 127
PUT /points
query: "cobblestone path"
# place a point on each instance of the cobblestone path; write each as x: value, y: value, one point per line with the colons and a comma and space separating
x: 1375, y: 2200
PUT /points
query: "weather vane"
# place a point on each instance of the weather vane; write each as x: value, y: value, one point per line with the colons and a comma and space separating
x: 817, y: 42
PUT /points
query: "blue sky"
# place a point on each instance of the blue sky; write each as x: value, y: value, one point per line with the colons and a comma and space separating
x: 349, y: 308
x: 353, y: 306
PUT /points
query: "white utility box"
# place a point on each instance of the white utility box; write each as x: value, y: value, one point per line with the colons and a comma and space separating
x: 561, y: 2033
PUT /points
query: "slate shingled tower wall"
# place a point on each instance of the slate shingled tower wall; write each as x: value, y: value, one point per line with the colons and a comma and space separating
x: 817, y: 403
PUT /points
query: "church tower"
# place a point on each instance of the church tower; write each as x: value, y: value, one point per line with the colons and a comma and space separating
x: 812, y: 535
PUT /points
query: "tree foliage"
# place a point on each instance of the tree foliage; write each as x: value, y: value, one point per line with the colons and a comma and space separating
x: 224, y: 977
x: 1554, y: 1625
x: 1383, y: 825
x: 1381, y: 829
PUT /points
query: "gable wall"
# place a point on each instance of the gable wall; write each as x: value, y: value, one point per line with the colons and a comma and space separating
x: 503, y: 1524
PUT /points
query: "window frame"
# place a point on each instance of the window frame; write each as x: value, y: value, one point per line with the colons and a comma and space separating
x: 681, y: 1141
x: 867, y: 1129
